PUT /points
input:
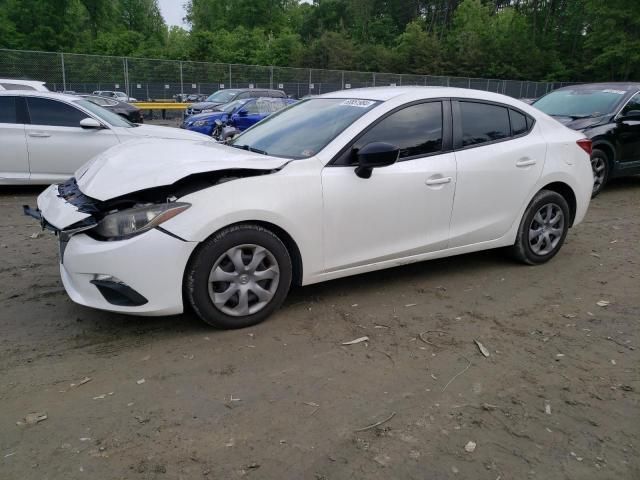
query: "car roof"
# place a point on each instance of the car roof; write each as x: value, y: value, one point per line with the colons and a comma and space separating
x: 17, y: 81
x: 252, y: 89
x: 410, y: 93
x: 626, y: 86
x: 34, y: 93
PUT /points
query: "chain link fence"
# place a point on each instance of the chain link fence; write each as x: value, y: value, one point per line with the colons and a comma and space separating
x: 154, y: 79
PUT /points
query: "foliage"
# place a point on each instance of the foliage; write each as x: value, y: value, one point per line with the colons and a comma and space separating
x: 519, y: 39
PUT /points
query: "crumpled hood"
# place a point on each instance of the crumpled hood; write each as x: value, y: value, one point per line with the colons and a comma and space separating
x: 157, y: 131
x: 203, y: 105
x: 580, y: 123
x: 142, y: 164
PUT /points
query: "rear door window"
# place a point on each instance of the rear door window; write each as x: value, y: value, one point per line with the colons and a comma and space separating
x: 483, y: 123
x: 44, y: 111
x: 8, y: 110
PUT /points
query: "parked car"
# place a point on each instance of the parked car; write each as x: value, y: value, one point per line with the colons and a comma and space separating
x: 47, y: 136
x: 340, y: 184
x: 239, y: 114
x: 124, y: 109
x: 14, y: 84
x: 608, y: 114
x: 222, y: 97
x: 190, y: 97
x: 121, y: 96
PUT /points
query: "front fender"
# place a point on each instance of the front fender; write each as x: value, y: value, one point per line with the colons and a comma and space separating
x: 292, y: 204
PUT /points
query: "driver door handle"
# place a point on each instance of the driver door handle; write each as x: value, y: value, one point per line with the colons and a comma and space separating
x: 438, y: 181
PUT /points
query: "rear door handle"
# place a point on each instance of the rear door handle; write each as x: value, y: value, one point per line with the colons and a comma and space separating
x: 438, y: 181
x: 525, y: 162
x: 39, y: 134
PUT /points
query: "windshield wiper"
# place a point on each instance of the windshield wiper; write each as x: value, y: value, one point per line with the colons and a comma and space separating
x: 572, y: 117
x: 249, y: 149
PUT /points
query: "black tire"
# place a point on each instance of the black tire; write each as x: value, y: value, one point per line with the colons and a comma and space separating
x: 535, y: 254
x: 599, y: 160
x: 197, y: 286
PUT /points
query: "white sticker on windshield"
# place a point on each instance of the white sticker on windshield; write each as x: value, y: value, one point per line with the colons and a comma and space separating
x: 357, y: 103
x: 618, y: 92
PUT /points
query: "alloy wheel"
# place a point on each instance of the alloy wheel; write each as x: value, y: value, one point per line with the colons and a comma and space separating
x: 599, y: 168
x: 546, y: 229
x: 243, y: 280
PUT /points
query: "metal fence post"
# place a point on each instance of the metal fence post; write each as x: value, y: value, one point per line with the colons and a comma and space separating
x: 271, y: 77
x: 64, y: 76
x: 230, y: 85
x: 125, y: 71
x: 181, y: 82
x: 374, y: 79
x: 342, y: 80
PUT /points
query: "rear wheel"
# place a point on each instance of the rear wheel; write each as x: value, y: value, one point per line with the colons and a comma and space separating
x: 238, y: 277
x: 543, y: 228
x: 600, y: 168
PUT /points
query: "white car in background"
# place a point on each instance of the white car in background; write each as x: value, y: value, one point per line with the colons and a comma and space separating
x: 13, y: 84
x: 47, y: 136
x: 117, y: 95
x: 343, y: 183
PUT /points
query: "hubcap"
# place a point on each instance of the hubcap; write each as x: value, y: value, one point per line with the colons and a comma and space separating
x: 598, y: 166
x: 243, y: 280
x: 546, y: 229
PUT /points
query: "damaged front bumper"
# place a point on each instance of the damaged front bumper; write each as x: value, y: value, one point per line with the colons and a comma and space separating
x: 141, y: 275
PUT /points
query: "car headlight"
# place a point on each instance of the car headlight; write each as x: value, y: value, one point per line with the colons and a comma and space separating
x: 206, y: 110
x: 201, y: 123
x: 133, y: 221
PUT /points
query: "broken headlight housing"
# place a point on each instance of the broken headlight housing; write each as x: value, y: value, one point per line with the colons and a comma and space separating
x: 133, y: 221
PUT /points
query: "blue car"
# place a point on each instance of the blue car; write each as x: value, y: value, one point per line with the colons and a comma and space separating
x: 240, y: 114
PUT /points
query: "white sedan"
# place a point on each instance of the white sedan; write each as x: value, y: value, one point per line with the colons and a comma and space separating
x: 47, y: 136
x: 343, y: 183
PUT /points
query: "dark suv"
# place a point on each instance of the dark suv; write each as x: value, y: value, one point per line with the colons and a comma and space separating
x: 222, y: 97
x: 609, y: 115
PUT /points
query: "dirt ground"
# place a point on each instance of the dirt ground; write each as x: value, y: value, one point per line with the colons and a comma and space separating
x: 558, y: 397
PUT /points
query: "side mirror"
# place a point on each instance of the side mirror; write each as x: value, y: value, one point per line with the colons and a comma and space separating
x: 90, y: 123
x: 243, y: 113
x: 375, y: 155
x: 631, y: 115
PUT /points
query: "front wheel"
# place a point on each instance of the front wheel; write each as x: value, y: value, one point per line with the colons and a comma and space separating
x: 543, y: 228
x: 238, y: 277
x: 600, y: 168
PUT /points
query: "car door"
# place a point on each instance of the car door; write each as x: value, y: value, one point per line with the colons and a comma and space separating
x: 500, y: 157
x: 401, y: 210
x: 627, y: 132
x: 248, y: 115
x: 57, y: 144
x: 14, y: 160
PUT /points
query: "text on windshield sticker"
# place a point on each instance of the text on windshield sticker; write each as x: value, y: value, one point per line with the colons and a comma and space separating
x: 357, y: 103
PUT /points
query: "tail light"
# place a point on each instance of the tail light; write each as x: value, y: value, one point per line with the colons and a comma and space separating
x: 586, y: 145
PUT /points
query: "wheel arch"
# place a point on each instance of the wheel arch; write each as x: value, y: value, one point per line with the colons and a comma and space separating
x: 567, y: 193
x: 284, y: 236
x: 607, y: 148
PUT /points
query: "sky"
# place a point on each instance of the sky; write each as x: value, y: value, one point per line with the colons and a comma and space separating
x: 173, y: 11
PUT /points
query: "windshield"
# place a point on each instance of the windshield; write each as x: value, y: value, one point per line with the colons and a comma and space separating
x: 303, y: 129
x: 222, y: 96
x: 230, y: 107
x: 105, y: 115
x: 580, y: 103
